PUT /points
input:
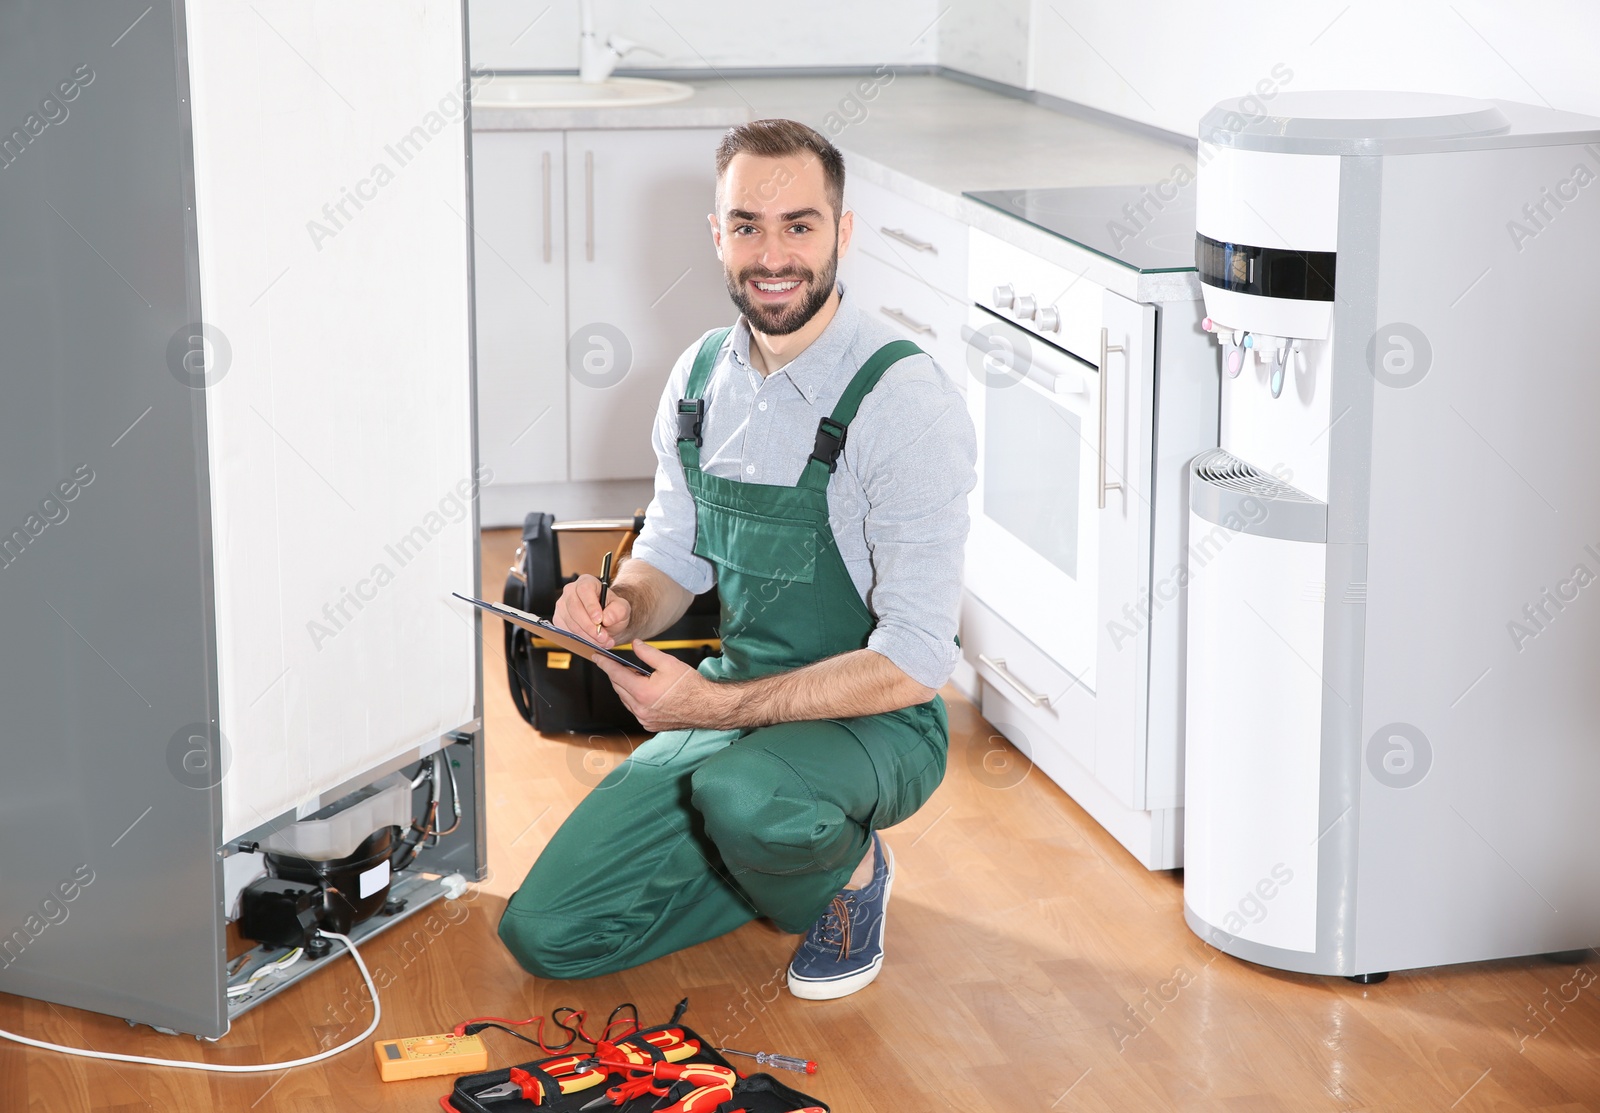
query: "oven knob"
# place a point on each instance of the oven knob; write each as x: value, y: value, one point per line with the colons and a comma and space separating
x: 1048, y: 319
x: 1024, y: 307
x: 1003, y: 297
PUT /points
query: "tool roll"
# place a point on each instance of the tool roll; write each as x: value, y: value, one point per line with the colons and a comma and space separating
x: 566, y: 1083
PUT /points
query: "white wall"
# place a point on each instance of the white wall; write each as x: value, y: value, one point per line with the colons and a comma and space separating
x: 697, y: 34
x: 1162, y: 62
x: 988, y: 38
x: 1165, y: 62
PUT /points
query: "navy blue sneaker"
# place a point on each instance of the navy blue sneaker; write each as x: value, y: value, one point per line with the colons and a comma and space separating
x: 843, y: 951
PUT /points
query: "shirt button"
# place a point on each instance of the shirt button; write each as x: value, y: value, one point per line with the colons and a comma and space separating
x: 761, y: 405
x: 749, y: 469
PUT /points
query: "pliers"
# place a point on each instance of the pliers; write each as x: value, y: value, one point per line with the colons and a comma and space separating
x: 522, y: 1085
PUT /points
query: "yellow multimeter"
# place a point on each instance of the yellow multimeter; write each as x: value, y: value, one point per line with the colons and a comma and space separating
x: 426, y: 1056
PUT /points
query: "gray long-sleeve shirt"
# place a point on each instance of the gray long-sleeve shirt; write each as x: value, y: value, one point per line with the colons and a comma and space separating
x: 897, y: 502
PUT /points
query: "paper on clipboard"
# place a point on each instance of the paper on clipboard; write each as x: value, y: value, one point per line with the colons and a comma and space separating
x: 566, y: 639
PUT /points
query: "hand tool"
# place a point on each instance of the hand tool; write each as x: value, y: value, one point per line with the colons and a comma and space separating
x: 670, y: 1042
x: 522, y: 1085
x: 713, y: 1085
x: 574, y: 1073
x: 771, y: 1059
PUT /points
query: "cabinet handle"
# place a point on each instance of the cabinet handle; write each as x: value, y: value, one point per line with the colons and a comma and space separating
x: 1105, y: 389
x: 900, y: 318
x: 588, y: 205
x: 544, y: 173
x: 910, y: 241
x: 998, y: 664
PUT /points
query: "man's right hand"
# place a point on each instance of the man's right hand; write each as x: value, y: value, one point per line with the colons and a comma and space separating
x: 578, y: 610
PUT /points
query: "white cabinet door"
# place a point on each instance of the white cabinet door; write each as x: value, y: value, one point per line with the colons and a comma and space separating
x: 930, y: 318
x: 643, y: 283
x: 1123, y: 655
x: 519, y: 264
x: 909, y: 236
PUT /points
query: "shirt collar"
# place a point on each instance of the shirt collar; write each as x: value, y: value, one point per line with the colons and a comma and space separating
x: 822, y: 360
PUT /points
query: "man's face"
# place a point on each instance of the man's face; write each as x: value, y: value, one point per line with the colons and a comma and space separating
x: 778, y: 239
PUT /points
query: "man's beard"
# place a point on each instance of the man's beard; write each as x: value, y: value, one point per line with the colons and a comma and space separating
x: 781, y: 320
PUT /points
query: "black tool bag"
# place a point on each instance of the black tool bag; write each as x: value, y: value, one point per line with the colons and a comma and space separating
x: 756, y: 1093
x: 560, y: 691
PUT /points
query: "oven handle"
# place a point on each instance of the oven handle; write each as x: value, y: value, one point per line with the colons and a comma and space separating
x: 998, y: 664
x: 1105, y: 390
x: 1042, y: 376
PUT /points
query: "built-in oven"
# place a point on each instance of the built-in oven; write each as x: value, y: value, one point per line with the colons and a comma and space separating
x: 1091, y: 387
x: 1034, y: 549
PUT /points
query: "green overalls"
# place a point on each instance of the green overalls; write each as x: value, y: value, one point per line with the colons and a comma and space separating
x: 700, y: 831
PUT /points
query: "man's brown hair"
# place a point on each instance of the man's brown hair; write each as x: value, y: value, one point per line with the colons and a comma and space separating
x: 777, y: 138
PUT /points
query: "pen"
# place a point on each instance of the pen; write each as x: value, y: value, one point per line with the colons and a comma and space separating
x: 605, y: 586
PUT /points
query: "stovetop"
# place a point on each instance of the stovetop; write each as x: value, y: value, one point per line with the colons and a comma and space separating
x: 1148, y: 228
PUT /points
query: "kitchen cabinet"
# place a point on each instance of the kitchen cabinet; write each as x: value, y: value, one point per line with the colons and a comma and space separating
x: 907, y: 264
x: 519, y: 201
x: 594, y: 270
x: 643, y: 283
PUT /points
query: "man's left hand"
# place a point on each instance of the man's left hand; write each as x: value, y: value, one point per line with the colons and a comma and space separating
x: 674, y: 697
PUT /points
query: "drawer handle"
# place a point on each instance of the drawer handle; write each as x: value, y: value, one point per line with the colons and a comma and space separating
x: 588, y: 206
x: 998, y: 664
x: 544, y: 174
x: 900, y: 318
x: 910, y: 241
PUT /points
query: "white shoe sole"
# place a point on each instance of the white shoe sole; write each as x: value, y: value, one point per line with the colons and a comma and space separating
x: 833, y: 988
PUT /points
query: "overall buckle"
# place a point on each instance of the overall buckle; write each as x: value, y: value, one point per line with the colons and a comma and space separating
x: 829, y: 443
x: 691, y: 413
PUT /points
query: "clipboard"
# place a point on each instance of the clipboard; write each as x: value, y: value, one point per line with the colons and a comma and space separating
x: 576, y: 643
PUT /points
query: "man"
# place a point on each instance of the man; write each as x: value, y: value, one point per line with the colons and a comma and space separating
x: 828, y: 504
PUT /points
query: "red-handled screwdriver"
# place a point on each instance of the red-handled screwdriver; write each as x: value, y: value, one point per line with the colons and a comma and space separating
x: 768, y: 1058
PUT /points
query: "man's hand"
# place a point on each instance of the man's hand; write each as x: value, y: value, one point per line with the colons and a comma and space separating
x: 674, y: 697
x: 578, y: 610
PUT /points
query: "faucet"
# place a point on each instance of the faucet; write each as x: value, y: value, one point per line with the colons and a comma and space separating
x: 596, y: 61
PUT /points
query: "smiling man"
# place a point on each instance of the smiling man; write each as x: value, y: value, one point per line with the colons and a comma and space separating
x: 816, y: 469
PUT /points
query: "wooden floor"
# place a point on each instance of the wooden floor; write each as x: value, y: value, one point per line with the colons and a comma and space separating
x: 1032, y: 965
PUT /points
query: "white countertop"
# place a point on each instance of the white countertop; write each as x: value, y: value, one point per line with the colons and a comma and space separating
x: 929, y: 139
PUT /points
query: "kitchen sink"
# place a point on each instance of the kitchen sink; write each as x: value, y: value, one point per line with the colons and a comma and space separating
x: 559, y: 91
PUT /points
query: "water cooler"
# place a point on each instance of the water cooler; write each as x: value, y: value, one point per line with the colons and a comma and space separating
x: 1393, y: 624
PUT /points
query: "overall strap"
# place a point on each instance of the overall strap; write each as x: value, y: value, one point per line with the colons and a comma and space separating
x: 692, y: 407
x: 832, y: 429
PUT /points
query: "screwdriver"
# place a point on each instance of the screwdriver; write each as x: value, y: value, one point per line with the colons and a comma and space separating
x: 768, y: 1058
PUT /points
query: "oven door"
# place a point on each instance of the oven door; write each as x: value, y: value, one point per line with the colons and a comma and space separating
x: 1034, y: 550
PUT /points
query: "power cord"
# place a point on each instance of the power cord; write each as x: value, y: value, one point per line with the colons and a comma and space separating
x: 228, y: 1068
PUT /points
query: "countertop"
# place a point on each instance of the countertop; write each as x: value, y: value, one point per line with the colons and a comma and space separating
x: 929, y: 139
